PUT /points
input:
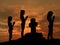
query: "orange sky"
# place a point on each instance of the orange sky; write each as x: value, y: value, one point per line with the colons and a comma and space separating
x: 33, y: 8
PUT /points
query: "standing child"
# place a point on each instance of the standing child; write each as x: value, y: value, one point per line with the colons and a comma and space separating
x: 10, y: 27
x: 23, y: 20
x: 50, y: 19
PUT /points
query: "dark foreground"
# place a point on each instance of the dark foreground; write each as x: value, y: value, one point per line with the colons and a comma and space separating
x: 33, y: 39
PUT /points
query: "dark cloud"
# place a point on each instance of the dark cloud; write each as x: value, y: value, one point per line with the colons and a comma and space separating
x: 3, y: 26
x: 57, y: 25
x: 57, y: 19
x: 57, y: 15
x: 5, y: 14
x: 57, y: 35
x: 12, y: 1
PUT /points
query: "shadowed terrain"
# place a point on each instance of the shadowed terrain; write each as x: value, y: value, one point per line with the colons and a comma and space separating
x: 30, y: 39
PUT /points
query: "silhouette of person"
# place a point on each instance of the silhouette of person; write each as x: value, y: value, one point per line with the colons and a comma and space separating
x: 10, y: 25
x: 23, y: 20
x: 33, y: 25
x: 50, y: 19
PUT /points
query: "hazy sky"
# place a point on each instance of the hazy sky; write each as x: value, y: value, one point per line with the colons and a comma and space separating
x: 33, y: 8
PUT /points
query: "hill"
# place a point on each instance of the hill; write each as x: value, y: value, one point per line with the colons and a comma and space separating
x: 30, y: 39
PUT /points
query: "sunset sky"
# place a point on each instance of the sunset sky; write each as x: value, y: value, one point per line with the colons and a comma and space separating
x: 33, y: 8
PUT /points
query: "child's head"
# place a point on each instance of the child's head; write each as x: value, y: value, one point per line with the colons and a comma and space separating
x: 22, y: 12
x: 33, y: 20
x: 9, y: 18
x: 50, y: 13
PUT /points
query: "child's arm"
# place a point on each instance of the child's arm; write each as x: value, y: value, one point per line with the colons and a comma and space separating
x: 26, y: 17
x: 53, y: 18
x: 13, y: 23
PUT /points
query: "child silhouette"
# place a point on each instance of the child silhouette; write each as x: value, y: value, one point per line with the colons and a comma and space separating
x: 23, y: 20
x: 33, y: 25
x: 50, y: 19
x: 10, y: 25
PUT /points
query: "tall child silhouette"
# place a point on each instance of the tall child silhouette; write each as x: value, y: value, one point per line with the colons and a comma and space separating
x: 33, y: 25
x: 23, y: 20
x: 10, y: 27
x: 50, y: 19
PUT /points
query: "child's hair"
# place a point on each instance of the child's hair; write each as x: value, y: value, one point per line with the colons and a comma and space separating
x: 9, y: 18
x: 50, y: 13
x: 33, y: 20
x: 22, y: 12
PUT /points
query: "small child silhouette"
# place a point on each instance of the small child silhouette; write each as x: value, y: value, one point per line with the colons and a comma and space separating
x: 10, y: 27
x: 33, y: 25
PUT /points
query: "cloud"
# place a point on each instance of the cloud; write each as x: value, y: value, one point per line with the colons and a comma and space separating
x: 4, y: 15
x: 3, y: 26
x: 57, y: 35
x: 57, y: 24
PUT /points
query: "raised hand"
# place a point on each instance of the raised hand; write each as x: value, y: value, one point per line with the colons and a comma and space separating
x: 13, y: 23
x: 26, y: 17
x: 53, y: 18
